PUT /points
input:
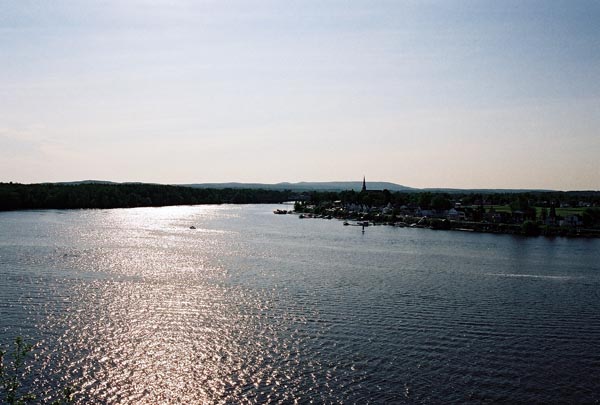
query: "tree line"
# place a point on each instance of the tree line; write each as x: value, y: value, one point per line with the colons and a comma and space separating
x: 14, y: 196
x: 445, y: 200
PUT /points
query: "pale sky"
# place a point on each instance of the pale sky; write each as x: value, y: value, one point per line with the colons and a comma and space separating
x: 466, y: 94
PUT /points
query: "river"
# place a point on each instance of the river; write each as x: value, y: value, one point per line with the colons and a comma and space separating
x: 132, y: 306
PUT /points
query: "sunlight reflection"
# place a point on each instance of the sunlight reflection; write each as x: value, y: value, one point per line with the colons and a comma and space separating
x: 166, y: 331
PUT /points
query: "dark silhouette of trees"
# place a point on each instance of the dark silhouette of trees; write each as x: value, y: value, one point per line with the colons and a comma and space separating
x: 591, y: 217
x: 441, y: 202
x: 530, y: 228
x: 100, y: 195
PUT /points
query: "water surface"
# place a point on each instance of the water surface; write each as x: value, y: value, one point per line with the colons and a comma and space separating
x: 132, y: 306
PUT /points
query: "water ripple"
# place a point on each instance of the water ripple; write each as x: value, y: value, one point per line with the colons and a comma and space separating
x: 133, y: 306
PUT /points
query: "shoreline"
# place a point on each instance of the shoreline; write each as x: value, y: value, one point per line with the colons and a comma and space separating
x: 438, y: 224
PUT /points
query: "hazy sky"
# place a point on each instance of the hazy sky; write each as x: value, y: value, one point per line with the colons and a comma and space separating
x: 502, y: 94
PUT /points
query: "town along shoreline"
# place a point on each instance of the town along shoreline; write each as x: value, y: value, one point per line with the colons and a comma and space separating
x: 526, y: 216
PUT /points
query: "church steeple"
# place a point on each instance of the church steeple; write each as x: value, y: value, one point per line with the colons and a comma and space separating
x: 364, y: 187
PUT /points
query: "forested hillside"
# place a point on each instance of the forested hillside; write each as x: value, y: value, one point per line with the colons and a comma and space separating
x: 99, y: 195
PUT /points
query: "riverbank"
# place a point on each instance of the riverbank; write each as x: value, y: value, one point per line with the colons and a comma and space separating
x: 527, y: 228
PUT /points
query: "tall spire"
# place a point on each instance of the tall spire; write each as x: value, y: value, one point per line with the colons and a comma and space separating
x: 364, y: 187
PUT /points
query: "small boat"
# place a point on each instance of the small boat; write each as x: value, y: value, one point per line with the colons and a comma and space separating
x: 192, y: 227
x: 280, y: 212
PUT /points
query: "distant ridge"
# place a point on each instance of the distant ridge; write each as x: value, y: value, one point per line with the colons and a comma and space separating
x: 356, y: 186
x: 308, y: 186
x: 75, y: 183
x: 328, y: 186
x: 485, y: 190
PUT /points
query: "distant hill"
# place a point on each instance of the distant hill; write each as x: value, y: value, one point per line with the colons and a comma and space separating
x: 325, y: 186
x: 76, y: 183
x: 483, y: 190
x: 308, y: 186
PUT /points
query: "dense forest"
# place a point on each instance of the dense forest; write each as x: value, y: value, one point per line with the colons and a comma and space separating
x: 100, y: 195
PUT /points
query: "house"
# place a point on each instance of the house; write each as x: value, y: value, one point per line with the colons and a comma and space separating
x: 571, y: 220
x: 388, y: 209
x: 455, y: 215
x: 424, y: 213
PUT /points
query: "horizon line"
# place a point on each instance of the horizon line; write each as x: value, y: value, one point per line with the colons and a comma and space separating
x: 358, y: 182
